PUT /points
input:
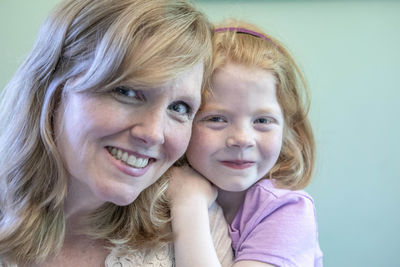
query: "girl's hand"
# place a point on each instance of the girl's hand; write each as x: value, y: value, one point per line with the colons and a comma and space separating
x: 187, y: 187
x: 191, y: 195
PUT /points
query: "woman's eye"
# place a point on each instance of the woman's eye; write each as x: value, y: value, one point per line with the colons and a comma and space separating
x: 127, y: 94
x: 181, y: 108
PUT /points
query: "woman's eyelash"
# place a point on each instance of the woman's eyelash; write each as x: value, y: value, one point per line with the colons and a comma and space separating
x: 181, y: 108
x: 129, y: 94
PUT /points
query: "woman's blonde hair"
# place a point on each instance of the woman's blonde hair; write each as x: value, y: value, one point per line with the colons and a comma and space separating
x: 243, y: 43
x: 103, y: 42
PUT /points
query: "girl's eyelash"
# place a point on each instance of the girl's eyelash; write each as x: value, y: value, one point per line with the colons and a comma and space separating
x: 215, y: 118
x: 265, y: 120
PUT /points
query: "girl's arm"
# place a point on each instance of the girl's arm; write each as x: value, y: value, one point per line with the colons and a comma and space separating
x: 191, y: 195
x: 252, y: 264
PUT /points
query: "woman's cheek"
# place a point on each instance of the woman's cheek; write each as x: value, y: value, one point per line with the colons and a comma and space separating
x: 180, y: 138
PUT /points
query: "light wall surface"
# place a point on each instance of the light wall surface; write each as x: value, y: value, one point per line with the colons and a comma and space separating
x: 350, y: 53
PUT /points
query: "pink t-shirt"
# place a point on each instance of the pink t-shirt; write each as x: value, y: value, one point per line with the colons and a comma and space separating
x: 276, y: 226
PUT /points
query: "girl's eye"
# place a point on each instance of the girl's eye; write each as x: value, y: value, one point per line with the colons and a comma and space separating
x: 264, y: 120
x: 215, y: 122
x: 181, y: 108
x: 126, y: 94
x: 215, y: 119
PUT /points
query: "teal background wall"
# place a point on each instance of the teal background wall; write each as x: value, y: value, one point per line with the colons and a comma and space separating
x: 349, y: 51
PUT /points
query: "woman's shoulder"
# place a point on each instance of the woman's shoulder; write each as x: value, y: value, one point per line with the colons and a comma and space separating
x: 156, y: 257
x: 164, y: 255
x: 7, y: 265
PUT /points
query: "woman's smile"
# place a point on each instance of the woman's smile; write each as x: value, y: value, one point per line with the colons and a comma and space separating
x: 129, y: 169
x: 132, y: 159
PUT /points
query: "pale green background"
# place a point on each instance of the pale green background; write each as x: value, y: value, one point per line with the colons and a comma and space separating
x: 349, y: 51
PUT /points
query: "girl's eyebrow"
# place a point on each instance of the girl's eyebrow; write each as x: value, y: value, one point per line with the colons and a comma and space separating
x: 218, y: 108
x: 213, y: 108
x: 269, y: 109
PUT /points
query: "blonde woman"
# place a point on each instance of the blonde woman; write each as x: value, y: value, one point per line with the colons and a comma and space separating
x: 100, y: 109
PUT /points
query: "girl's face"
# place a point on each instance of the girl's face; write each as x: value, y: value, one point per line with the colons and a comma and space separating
x: 116, y: 144
x: 237, y: 136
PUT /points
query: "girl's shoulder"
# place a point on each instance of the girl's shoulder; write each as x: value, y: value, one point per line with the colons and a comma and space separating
x: 265, y: 192
x: 277, y: 226
x: 264, y: 201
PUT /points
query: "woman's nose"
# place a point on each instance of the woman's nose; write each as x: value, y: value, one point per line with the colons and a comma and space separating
x: 240, y: 138
x: 150, y: 128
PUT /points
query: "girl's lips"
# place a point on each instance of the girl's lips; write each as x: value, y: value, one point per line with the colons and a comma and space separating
x: 126, y: 169
x: 238, y: 164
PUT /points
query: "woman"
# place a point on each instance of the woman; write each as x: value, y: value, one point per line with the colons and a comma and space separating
x: 100, y: 109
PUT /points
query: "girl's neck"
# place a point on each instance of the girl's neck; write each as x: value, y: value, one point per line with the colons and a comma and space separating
x: 230, y: 203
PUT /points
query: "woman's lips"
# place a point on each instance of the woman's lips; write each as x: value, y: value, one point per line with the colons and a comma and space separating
x: 238, y: 164
x: 132, y: 159
x: 125, y: 168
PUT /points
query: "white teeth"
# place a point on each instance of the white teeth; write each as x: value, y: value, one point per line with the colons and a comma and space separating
x: 137, y: 162
x: 140, y: 162
x: 143, y: 162
x: 128, y: 159
x: 124, y: 157
x: 131, y: 160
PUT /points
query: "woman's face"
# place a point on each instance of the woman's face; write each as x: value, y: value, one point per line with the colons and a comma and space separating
x: 116, y: 144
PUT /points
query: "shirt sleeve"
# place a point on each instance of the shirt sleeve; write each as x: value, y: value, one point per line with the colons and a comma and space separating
x: 281, y: 231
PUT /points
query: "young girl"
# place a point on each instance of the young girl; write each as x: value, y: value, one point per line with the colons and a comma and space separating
x: 253, y: 141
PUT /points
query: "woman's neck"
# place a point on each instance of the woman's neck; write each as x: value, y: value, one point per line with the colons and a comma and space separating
x: 79, y: 203
x: 230, y: 203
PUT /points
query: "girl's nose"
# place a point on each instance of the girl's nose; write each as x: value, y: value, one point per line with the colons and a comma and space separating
x: 240, y: 139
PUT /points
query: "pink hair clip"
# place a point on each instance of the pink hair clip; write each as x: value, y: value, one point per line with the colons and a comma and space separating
x: 246, y: 31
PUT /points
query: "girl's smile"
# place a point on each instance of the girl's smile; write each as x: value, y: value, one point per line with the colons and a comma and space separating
x: 238, y: 164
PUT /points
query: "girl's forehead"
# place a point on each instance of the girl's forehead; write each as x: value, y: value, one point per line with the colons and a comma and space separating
x: 236, y: 77
x: 237, y: 88
x: 237, y: 71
